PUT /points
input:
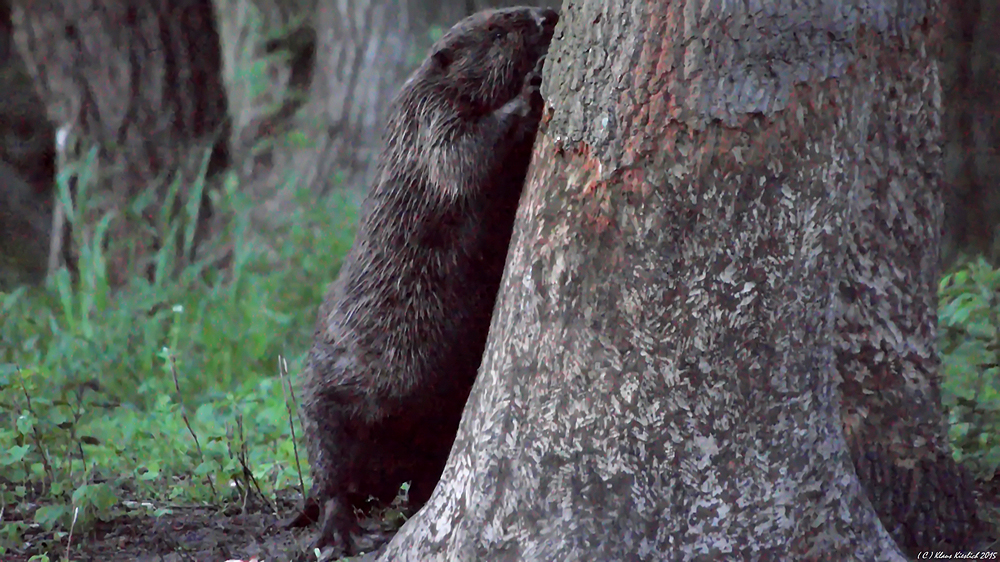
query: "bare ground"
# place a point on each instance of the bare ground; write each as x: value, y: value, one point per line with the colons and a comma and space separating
x: 251, y: 531
x: 195, y: 534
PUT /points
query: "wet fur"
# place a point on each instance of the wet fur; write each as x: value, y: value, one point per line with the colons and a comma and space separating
x: 401, y: 333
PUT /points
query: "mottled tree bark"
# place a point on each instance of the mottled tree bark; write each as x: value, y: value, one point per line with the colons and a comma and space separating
x: 886, y: 336
x: 661, y: 377
x: 141, y: 80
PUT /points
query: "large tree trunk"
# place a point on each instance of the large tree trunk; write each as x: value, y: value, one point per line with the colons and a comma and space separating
x: 661, y: 377
x: 141, y: 80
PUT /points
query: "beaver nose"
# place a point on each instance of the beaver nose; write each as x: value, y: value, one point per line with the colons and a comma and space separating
x: 546, y: 18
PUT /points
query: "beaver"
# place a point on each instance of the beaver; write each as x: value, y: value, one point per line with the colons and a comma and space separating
x: 401, y: 332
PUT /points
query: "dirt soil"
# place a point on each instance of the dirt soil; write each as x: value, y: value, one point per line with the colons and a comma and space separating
x: 198, y: 534
x: 248, y: 532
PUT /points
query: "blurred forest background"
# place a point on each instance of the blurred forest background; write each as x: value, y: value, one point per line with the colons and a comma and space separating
x: 178, y: 182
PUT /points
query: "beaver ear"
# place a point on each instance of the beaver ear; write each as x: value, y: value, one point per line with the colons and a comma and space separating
x: 443, y: 57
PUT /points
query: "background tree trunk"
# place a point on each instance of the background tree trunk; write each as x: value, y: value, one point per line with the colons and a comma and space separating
x: 141, y: 80
x: 970, y: 76
x: 24, y: 229
x: 27, y: 140
x: 363, y: 49
x: 660, y: 381
x: 27, y: 168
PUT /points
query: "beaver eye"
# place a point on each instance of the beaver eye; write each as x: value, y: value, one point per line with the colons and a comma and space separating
x: 499, y: 34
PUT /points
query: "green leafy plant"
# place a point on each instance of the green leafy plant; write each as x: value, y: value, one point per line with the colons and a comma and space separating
x: 969, y: 331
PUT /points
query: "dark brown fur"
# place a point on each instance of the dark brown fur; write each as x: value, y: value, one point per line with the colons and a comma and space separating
x: 401, y: 333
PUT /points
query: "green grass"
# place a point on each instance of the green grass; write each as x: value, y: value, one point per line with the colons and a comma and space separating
x: 108, y: 396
